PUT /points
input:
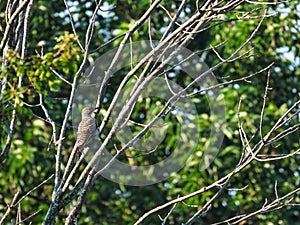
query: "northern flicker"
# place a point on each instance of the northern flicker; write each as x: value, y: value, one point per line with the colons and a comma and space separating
x: 86, y: 129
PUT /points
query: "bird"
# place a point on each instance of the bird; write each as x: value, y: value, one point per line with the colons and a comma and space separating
x: 87, y: 129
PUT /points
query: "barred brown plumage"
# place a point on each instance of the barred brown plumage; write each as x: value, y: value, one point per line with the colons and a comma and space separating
x: 86, y: 128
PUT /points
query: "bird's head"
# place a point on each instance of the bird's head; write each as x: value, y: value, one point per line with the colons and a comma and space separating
x: 87, y: 111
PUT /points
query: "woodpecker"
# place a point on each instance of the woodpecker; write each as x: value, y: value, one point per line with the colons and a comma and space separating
x: 87, y: 129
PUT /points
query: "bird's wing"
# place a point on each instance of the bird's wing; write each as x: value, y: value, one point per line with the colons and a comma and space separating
x: 86, y: 129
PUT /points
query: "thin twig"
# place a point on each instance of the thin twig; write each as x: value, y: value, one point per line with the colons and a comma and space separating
x: 263, y: 107
x: 9, y: 208
x: 72, y: 25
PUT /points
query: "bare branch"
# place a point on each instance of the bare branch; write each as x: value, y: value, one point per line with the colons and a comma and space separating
x: 20, y: 37
x: 164, y: 220
x: 263, y: 106
x: 72, y: 24
x: 60, y: 77
x: 9, y: 208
